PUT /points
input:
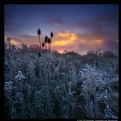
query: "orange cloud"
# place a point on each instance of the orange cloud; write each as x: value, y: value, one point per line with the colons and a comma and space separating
x: 97, y: 42
x: 75, y: 42
x: 60, y: 51
x: 64, y: 38
x: 64, y: 34
x: 69, y: 41
x: 62, y: 42
x: 13, y: 41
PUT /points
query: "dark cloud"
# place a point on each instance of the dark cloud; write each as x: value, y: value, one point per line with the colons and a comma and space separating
x: 46, y: 8
x: 56, y: 20
x: 87, y: 34
x: 107, y: 18
x: 111, y: 45
x: 9, y: 26
x: 101, y: 26
x: 7, y: 15
x: 30, y: 39
x: 8, y: 18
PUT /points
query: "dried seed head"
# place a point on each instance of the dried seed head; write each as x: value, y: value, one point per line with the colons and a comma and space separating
x: 39, y: 54
x: 56, y: 65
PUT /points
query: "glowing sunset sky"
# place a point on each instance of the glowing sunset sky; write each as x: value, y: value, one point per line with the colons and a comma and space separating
x: 78, y: 28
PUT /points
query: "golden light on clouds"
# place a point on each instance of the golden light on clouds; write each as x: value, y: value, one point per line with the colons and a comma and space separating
x: 63, y: 34
x: 15, y: 42
x: 60, y: 51
x: 69, y: 41
x: 100, y: 42
x: 62, y: 42
x: 64, y: 39
x: 68, y: 36
x: 74, y: 42
x: 94, y: 42
x: 71, y: 38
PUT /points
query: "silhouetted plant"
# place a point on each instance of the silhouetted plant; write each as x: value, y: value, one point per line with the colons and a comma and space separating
x: 59, y: 98
x: 46, y: 40
x: 13, y: 47
x: 43, y: 45
x: 109, y: 54
x: 9, y: 40
x: 37, y: 70
x: 51, y: 35
x: 49, y: 42
x: 39, y: 33
x: 24, y: 46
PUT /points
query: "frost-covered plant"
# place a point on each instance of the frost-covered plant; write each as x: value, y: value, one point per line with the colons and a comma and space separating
x: 91, y: 86
x: 56, y: 72
x: 19, y: 81
x: 92, y: 79
x: 93, y: 89
x: 20, y: 76
x: 79, y: 91
x: 109, y: 114
x: 72, y: 74
x: 8, y: 88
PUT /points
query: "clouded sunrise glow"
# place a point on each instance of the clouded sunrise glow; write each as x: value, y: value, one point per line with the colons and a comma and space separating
x: 78, y: 28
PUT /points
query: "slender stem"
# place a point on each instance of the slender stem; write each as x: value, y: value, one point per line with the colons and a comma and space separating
x: 94, y: 105
x: 94, y: 109
x: 39, y: 42
x: 50, y: 43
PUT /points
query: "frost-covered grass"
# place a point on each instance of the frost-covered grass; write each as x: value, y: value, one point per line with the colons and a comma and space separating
x: 62, y: 86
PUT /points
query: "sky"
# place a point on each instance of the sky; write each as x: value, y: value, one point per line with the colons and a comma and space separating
x: 76, y: 27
